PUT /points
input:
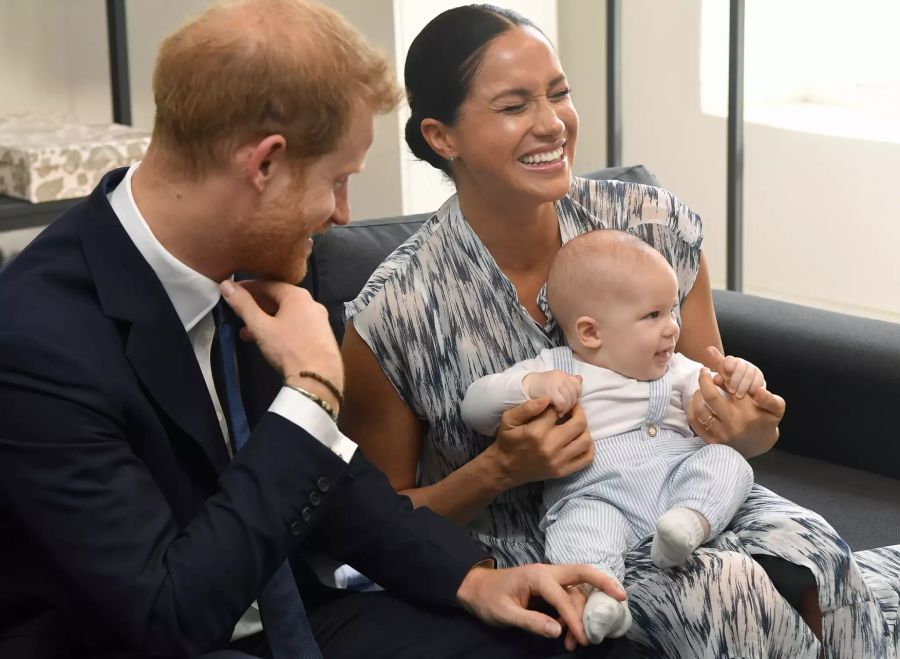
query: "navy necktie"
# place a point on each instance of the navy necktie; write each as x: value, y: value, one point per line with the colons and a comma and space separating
x: 281, y: 609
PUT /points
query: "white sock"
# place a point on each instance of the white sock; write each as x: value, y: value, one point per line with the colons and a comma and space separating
x: 605, y: 617
x: 678, y: 533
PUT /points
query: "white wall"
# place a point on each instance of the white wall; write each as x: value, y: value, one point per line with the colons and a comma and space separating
x: 377, y: 191
x: 582, y: 52
x: 148, y: 24
x: 662, y: 125
x: 818, y: 220
x: 53, y: 58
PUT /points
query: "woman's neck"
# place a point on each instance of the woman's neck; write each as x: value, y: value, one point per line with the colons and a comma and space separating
x: 521, y: 238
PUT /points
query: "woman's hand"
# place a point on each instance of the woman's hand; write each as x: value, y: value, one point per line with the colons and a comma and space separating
x: 531, y: 446
x: 748, y: 424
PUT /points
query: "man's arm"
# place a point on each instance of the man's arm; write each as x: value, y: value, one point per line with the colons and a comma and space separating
x: 420, y: 555
x: 73, y: 475
x: 412, y: 552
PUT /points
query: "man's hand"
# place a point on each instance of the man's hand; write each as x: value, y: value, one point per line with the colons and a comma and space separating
x: 578, y: 597
x: 500, y: 597
x: 562, y: 389
x: 291, y: 330
x: 531, y: 446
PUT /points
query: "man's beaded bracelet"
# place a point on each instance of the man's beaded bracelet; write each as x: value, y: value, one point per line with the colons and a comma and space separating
x: 321, y: 379
x: 329, y: 410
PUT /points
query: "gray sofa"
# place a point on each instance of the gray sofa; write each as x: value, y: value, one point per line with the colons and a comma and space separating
x: 839, y: 452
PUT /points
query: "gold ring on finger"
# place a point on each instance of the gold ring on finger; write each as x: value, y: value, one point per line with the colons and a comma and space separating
x: 712, y: 412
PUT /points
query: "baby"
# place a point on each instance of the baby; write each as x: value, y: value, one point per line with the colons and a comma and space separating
x: 616, y: 299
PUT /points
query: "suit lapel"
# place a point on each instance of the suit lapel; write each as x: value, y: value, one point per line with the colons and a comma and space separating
x: 157, y: 345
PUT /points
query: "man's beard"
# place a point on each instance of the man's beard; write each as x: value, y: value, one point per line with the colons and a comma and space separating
x: 274, y: 245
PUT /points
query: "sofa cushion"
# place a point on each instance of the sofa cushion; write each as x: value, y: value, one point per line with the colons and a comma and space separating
x: 862, y: 506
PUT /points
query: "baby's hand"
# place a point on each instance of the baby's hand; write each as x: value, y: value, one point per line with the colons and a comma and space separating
x: 562, y: 389
x: 739, y: 377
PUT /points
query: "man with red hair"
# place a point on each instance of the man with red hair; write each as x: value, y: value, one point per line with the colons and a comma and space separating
x: 161, y: 484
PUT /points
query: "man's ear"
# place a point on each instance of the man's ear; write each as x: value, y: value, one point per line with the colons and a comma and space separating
x: 587, y: 333
x: 262, y: 160
x: 439, y: 138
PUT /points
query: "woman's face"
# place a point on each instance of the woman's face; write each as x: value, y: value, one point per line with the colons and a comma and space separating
x: 515, y: 133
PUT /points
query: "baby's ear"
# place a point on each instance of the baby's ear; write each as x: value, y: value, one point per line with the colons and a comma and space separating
x: 587, y: 333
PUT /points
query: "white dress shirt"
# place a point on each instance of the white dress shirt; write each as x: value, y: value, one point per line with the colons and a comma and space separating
x: 194, y: 295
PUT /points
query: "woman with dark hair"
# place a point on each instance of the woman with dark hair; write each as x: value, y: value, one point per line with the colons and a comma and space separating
x: 465, y: 296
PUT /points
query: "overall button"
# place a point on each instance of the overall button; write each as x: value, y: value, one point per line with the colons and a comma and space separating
x: 296, y: 528
x: 651, y: 430
x: 306, y: 514
x: 315, y: 498
x: 323, y: 484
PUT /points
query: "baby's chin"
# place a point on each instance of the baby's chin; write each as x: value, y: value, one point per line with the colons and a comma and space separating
x: 649, y: 374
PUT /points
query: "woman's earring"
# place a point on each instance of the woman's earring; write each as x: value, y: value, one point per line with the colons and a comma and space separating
x: 451, y: 157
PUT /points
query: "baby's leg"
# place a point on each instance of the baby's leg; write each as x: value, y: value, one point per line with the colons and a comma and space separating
x: 704, y: 493
x: 594, y: 532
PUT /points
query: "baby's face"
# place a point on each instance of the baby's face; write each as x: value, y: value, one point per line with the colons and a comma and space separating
x: 638, y: 326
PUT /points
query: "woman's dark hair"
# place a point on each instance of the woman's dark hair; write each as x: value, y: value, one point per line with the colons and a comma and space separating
x: 441, y: 64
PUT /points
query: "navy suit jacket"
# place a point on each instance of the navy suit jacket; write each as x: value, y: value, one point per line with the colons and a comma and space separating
x: 124, y: 523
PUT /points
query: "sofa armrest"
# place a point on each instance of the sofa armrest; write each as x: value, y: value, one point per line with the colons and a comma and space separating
x: 840, y: 376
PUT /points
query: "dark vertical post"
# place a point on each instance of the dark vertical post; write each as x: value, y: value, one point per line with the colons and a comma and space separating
x: 735, y: 183
x: 613, y: 83
x: 118, y: 61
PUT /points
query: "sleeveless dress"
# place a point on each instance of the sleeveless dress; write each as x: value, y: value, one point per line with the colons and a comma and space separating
x: 438, y: 314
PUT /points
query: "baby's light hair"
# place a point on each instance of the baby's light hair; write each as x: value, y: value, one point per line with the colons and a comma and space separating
x: 593, y: 270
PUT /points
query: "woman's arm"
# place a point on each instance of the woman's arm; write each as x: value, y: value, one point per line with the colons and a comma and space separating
x: 529, y: 445
x: 698, y: 319
x: 749, y: 424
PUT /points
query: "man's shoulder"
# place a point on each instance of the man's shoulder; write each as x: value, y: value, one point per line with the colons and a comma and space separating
x: 47, y: 294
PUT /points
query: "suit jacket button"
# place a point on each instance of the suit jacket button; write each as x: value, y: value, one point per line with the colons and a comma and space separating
x: 315, y: 498
x: 296, y: 528
x: 323, y: 484
x: 306, y: 514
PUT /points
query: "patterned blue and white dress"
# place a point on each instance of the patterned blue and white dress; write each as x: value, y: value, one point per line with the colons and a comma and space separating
x: 439, y: 314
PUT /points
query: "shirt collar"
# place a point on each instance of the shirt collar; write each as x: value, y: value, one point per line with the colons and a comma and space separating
x: 192, y: 294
